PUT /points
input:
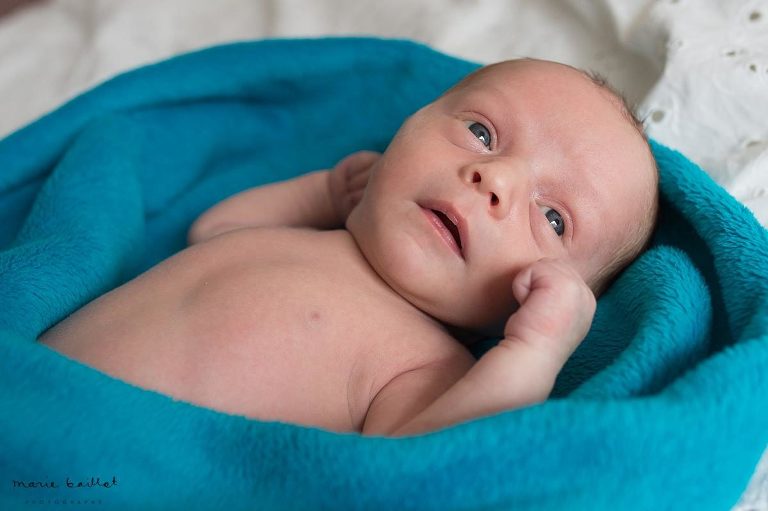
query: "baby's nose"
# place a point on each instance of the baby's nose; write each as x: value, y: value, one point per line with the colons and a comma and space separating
x: 499, y: 185
x: 485, y: 186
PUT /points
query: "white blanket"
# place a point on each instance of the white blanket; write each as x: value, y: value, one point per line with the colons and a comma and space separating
x: 697, y: 69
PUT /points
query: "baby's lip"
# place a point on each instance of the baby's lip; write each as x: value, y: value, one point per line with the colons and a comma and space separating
x: 454, y: 216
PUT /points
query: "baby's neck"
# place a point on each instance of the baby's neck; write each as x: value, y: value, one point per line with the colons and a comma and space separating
x: 393, y: 303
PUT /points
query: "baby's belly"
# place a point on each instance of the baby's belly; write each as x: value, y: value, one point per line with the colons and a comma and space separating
x: 247, y: 323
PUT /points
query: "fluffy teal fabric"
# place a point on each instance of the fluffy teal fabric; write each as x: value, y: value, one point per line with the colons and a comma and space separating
x: 664, y: 406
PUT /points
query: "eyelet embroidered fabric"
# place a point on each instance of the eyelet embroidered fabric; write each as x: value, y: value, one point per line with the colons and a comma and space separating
x: 710, y: 101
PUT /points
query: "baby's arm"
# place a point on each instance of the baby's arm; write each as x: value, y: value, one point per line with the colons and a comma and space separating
x: 556, y: 311
x: 321, y: 199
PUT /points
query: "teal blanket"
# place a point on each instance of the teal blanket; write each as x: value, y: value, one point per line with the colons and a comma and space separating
x: 664, y: 406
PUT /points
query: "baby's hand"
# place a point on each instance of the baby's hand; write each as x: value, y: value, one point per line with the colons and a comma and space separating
x: 347, y: 180
x: 556, y: 309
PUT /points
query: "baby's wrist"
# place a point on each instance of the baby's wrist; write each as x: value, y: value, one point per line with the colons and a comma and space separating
x: 547, y: 360
x: 513, y: 374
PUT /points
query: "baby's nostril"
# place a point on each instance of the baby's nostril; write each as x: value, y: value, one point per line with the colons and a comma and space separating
x: 494, y: 199
x: 476, y: 177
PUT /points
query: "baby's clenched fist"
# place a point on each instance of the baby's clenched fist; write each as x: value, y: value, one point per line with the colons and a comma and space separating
x: 347, y: 181
x: 555, y: 311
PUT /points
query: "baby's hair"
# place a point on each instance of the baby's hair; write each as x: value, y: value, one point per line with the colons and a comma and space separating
x: 627, y: 110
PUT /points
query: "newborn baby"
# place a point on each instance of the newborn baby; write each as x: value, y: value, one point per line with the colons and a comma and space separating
x: 500, y: 209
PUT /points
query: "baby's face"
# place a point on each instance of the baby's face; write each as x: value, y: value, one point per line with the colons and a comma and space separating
x: 528, y: 159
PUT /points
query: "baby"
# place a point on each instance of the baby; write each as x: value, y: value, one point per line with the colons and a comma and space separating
x: 500, y: 209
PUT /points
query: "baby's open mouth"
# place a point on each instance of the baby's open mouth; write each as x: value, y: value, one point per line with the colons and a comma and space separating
x: 452, y: 228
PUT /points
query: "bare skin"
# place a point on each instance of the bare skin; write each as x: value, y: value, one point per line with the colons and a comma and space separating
x: 244, y: 323
x: 276, y: 312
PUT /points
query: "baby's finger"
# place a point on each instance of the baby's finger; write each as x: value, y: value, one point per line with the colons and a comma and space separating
x: 358, y: 161
x: 531, y: 276
x: 522, y: 284
x: 358, y: 180
x: 366, y: 158
x: 354, y: 199
x: 544, y: 274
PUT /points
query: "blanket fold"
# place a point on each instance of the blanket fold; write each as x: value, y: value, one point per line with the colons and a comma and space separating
x: 664, y: 405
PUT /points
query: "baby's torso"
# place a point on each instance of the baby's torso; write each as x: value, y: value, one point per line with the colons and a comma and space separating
x: 277, y: 324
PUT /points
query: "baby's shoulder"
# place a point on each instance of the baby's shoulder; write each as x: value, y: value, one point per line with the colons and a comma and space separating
x: 280, y: 236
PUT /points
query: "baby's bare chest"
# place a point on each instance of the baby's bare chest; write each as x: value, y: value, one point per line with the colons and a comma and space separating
x: 274, y: 327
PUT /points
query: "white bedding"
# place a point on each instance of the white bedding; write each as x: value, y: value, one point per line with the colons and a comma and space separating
x: 697, y: 69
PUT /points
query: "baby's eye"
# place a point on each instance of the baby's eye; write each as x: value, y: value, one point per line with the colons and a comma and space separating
x: 481, y: 132
x: 555, y: 220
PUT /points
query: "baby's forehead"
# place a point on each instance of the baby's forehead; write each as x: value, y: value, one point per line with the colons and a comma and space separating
x: 525, y: 69
x: 527, y: 75
x: 532, y: 77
